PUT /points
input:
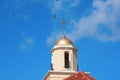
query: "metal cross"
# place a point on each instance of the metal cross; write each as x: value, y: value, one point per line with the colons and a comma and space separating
x: 63, y: 23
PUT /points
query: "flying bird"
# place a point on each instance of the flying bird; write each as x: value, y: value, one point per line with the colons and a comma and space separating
x: 54, y: 16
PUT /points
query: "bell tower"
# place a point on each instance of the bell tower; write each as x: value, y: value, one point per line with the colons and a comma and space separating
x: 64, y: 55
x: 64, y: 59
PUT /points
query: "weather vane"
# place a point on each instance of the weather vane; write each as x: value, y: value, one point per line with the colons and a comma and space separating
x: 63, y: 29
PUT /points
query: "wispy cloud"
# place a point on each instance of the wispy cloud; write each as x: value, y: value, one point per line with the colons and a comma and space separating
x: 102, y: 22
x: 57, y: 5
x: 75, y: 3
x: 53, y: 37
x: 64, y: 6
x: 27, y: 42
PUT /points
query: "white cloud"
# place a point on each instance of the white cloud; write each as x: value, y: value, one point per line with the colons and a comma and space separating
x: 57, y: 5
x: 105, y: 13
x: 27, y: 42
x: 64, y: 5
x: 51, y: 40
x: 75, y: 3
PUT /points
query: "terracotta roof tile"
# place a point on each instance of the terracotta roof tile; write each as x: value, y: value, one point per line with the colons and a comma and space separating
x: 80, y: 76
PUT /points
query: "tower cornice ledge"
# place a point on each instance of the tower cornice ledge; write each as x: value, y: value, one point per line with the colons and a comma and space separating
x: 67, y: 73
x: 65, y: 47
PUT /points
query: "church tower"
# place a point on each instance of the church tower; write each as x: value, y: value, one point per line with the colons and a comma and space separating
x: 64, y: 56
x: 64, y: 60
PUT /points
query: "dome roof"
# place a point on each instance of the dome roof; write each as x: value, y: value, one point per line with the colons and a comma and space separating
x: 64, y: 41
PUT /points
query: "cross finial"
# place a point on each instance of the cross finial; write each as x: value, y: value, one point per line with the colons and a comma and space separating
x: 63, y: 23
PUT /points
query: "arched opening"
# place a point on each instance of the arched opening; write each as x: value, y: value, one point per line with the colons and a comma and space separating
x: 66, y: 59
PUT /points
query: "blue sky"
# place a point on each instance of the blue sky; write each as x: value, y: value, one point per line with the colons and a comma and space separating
x: 28, y: 33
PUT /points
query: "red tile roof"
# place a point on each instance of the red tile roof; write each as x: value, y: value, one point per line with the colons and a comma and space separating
x: 80, y: 76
